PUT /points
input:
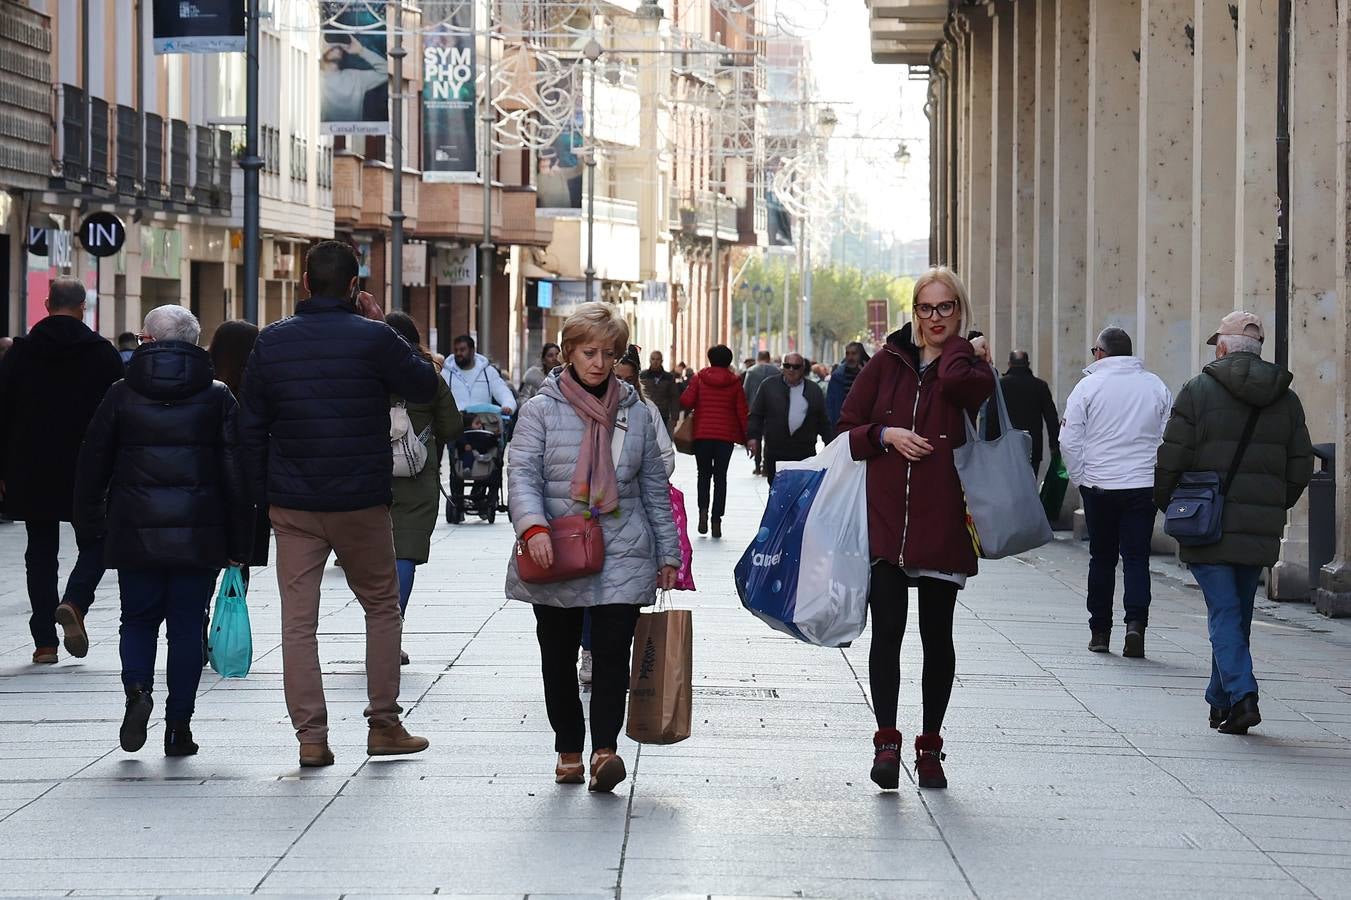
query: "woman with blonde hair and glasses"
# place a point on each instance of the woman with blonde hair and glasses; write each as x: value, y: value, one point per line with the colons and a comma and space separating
x: 905, y: 415
x: 586, y: 444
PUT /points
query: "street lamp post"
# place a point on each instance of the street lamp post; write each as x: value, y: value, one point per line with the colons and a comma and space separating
x: 251, y: 163
x: 487, y: 252
x: 396, y: 214
x: 826, y: 121
x: 592, y: 52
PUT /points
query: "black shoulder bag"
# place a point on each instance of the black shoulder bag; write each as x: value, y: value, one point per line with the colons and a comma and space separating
x: 1195, y: 513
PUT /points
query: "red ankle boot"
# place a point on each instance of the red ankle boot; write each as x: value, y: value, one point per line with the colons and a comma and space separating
x: 886, y: 772
x: 929, y: 758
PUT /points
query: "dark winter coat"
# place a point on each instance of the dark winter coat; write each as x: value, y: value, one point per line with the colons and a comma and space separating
x: 769, y: 420
x: 917, y: 511
x: 716, y: 397
x: 315, y: 418
x: 1202, y: 436
x: 661, y: 388
x: 1030, y: 406
x: 417, y: 500
x: 161, y: 471
x: 51, y: 382
x: 837, y: 389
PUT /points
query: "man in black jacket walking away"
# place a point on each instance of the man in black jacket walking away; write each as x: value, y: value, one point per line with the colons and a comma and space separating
x: 316, y: 436
x: 1030, y: 404
x: 50, y: 384
x: 789, y: 413
x: 162, y: 475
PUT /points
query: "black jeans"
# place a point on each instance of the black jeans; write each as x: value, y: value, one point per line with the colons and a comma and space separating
x: 40, y: 560
x: 712, y: 458
x: 1120, y: 526
x: 177, y: 598
x: 888, y: 602
x: 559, y: 632
x: 772, y: 460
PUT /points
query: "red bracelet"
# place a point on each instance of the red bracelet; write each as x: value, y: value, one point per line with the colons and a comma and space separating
x: 532, y: 531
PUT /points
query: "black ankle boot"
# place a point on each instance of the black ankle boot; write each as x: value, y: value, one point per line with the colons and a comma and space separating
x: 1242, y: 716
x: 136, y: 718
x: 178, y: 739
x: 717, y: 528
x: 703, y: 521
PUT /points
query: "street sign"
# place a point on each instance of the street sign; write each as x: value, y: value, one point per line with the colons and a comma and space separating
x: 102, y: 234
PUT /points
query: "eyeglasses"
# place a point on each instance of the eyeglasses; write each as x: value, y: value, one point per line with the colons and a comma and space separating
x: 1096, y: 349
x: 944, y: 309
x: 793, y: 367
x: 144, y: 339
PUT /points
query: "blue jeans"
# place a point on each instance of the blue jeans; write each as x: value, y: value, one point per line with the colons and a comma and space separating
x: 1120, y: 526
x: 1229, y: 592
x: 407, y: 570
x: 177, y: 598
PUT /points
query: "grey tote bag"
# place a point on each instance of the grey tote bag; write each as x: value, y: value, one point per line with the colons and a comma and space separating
x: 1001, y: 488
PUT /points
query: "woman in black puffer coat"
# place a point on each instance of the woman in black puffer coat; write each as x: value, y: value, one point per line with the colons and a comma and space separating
x: 161, y: 475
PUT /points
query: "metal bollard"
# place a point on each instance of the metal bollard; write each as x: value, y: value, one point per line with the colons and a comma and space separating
x: 1322, y: 512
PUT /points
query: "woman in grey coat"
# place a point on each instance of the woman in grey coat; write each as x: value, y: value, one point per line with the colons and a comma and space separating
x: 586, y: 442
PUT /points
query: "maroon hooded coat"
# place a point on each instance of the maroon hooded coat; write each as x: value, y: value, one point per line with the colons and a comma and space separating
x: 917, y: 511
x: 719, y: 404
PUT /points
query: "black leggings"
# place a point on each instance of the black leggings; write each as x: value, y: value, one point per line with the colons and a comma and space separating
x: 888, y: 600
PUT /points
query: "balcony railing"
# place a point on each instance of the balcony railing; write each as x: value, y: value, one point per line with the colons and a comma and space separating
x: 225, y: 162
x: 129, y: 125
x: 204, y: 164
x: 154, y: 156
x: 180, y: 149
x: 98, y: 142
x: 70, y: 156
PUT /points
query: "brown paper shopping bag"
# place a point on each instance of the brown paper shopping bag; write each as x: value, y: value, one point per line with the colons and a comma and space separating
x: 661, y: 684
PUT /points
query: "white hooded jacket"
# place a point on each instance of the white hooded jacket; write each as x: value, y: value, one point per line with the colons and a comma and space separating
x: 480, y: 384
x: 1113, y: 425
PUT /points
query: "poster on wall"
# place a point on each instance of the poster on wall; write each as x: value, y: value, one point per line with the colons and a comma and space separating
x: 353, y: 67
x: 448, y: 93
x: 560, y: 165
x: 202, y: 26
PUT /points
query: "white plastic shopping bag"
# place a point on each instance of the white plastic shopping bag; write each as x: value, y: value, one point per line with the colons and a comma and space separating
x: 807, y: 571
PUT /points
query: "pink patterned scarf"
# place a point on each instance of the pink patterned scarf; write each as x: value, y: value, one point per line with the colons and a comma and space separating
x: 594, y: 482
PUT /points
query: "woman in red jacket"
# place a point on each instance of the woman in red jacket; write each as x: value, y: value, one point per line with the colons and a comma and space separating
x: 904, y: 415
x: 718, y: 401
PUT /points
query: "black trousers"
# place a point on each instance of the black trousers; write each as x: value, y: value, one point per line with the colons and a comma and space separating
x: 712, y: 458
x: 40, y: 560
x: 774, y: 457
x: 559, y: 632
x: 888, y: 602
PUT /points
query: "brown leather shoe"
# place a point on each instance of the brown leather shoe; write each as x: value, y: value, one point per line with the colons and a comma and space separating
x: 315, y: 756
x: 71, y: 620
x: 393, y: 740
x: 607, y: 770
x: 44, y: 656
x: 569, y: 769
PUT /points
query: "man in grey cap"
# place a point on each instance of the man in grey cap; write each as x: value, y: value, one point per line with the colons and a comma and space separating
x: 1240, y: 420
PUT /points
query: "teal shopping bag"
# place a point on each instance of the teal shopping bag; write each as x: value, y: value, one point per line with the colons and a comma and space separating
x: 230, y: 643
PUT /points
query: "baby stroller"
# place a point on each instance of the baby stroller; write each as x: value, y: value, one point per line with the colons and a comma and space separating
x: 476, y: 465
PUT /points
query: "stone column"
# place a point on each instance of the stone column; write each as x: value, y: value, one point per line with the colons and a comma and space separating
x: 1069, y: 235
x: 1255, y: 177
x: 1214, y: 120
x: 979, y: 212
x: 964, y: 69
x: 1164, y: 231
x: 1023, y: 196
x: 1313, y: 271
x: 999, y: 291
x: 1113, y: 161
x: 1043, y: 189
x: 951, y: 132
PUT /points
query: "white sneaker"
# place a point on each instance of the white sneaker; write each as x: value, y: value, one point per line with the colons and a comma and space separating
x: 584, y: 674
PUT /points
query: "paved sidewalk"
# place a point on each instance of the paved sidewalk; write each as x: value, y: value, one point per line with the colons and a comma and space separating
x: 1073, y: 775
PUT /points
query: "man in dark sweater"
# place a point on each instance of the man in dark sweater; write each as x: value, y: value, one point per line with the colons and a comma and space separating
x: 315, y: 429
x: 789, y: 413
x: 1030, y: 404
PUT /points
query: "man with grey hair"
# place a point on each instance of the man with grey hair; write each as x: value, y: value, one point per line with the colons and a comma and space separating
x: 1113, y: 425
x: 1240, y: 420
x: 51, y: 381
x: 161, y: 474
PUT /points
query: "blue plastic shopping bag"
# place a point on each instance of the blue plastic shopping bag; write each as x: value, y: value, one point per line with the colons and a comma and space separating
x: 807, y: 571
x: 230, y: 642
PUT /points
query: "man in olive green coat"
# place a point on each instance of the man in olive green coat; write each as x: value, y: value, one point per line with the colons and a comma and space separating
x: 1203, y: 435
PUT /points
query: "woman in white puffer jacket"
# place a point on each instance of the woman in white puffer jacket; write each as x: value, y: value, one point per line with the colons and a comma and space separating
x: 586, y: 443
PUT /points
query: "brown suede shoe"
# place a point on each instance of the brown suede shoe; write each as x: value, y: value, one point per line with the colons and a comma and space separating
x: 569, y: 769
x: 607, y: 770
x: 393, y: 740
x: 44, y: 656
x: 71, y: 620
x: 315, y: 756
